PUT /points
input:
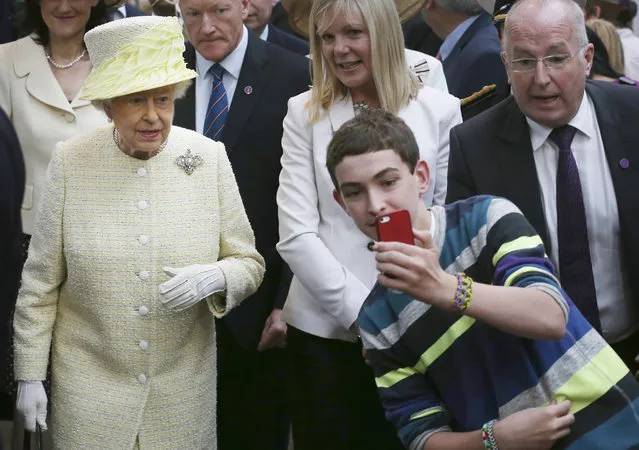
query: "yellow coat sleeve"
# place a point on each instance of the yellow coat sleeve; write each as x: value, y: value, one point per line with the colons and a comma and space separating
x: 242, y: 265
x: 43, y: 274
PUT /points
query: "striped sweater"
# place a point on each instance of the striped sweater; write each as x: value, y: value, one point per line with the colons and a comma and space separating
x: 438, y: 371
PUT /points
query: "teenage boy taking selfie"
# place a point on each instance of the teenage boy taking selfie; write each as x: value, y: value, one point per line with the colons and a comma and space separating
x: 470, y: 336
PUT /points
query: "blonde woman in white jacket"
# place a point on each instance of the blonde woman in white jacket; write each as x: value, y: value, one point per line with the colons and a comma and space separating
x: 359, y: 62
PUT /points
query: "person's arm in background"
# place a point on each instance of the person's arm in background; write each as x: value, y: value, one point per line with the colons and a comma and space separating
x: 340, y: 292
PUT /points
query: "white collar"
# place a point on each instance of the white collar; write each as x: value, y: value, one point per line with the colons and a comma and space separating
x: 264, y: 35
x: 583, y: 122
x: 624, y: 32
x: 232, y: 63
x: 122, y: 10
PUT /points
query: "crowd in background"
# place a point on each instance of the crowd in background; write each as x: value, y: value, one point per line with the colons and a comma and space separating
x: 182, y: 270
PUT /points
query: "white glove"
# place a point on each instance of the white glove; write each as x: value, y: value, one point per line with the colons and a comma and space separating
x: 190, y: 284
x: 32, y: 404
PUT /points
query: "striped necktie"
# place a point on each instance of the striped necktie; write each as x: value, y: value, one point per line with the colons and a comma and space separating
x: 218, y: 106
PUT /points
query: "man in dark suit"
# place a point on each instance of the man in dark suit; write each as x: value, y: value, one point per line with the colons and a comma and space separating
x: 258, y: 22
x: 563, y: 150
x: 11, y: 192
x: 471, y: 51
x: 240, y: 98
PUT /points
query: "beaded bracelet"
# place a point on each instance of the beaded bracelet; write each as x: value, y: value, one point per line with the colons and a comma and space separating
x: 464, y: 292
x: 487, y: 436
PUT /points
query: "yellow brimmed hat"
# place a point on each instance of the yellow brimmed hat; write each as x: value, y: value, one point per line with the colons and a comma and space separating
x: 133, y: 55
x: 299, y: 13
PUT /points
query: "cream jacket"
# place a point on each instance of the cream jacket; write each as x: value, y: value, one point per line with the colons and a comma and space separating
x: 334, y: 271
x: 40, y: 113
x: 123, y: 365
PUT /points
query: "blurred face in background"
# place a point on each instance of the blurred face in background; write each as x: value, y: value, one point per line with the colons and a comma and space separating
x: 346, y: 49
x: 214, y: 27
x: 66, y: 19
x: 259, y: 15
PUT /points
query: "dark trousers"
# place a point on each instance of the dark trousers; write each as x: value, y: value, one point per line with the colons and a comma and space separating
x: 334, y: 400
x: 252, y: 410
x: 628, y: 350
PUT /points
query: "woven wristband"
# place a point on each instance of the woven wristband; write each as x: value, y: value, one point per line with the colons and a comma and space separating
x: 464, y: 292
x: 487, y: 436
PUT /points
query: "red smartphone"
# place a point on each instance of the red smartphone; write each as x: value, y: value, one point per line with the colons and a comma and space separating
x: 395, y: 227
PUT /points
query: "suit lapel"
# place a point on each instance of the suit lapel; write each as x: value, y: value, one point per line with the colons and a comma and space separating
x: 519, y: 171
x: 185, y: 107
x: 618, y: 147
x: 41, y: 83
x: 253, y: 78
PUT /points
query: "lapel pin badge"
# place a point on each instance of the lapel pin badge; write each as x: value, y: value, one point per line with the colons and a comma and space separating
x: 624, y: 163
x: 248, y: 90
x: 189, y: 162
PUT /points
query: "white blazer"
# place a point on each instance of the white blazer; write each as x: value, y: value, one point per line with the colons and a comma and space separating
x: 41, y: 114
x: 334, y: 271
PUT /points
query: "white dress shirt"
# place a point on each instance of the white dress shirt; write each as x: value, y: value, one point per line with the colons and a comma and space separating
x: 232, y: 65
x: 619, y: 316
x: 264, y: 35
x: 630, y: 44
x: 119, y: 13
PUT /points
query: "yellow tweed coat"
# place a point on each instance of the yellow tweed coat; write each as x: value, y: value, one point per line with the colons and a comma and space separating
x: 124, y: 367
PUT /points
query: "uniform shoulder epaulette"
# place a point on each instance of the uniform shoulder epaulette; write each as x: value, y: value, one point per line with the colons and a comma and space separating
x: 484, y: 92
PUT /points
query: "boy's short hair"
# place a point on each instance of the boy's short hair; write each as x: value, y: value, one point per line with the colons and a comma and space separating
x: 372, y: 131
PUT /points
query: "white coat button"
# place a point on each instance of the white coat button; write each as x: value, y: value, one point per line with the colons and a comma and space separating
x: 143, y: 310
x: 142, y: 204
x: 144, y: 239
x: 144, y: 345
x: 144, y: 275
x: 69, y: 117
x: 141, y: 171
x: 142, y: 378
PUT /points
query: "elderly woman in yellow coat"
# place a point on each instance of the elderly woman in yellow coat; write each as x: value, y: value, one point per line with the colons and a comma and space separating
x: 141, y: 240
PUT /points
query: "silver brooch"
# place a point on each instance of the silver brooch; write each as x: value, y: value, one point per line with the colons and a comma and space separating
x: 188, y: 162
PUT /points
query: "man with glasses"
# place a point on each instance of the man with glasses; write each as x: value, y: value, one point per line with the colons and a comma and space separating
x: 561, y: 150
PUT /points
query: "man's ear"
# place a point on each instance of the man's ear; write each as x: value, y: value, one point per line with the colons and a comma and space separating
x: 338, y: 198
x: 245, y: 9
x: 503, y: 60
x: 422, y: 173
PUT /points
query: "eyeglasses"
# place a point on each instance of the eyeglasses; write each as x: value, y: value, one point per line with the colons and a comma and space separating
x: 552, y: 62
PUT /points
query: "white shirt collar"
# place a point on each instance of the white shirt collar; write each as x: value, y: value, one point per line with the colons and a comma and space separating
x: 232, y: 63
x: 264, y: 35
x: 122, y: 10
x: 583, y: 122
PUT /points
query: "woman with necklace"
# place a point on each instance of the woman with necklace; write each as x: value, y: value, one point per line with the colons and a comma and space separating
x: 40, y: 80
x: 359, y: 63
x: 141, y: 241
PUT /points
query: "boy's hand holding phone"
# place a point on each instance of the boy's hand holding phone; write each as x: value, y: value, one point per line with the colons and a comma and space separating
x: 415, y: 270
